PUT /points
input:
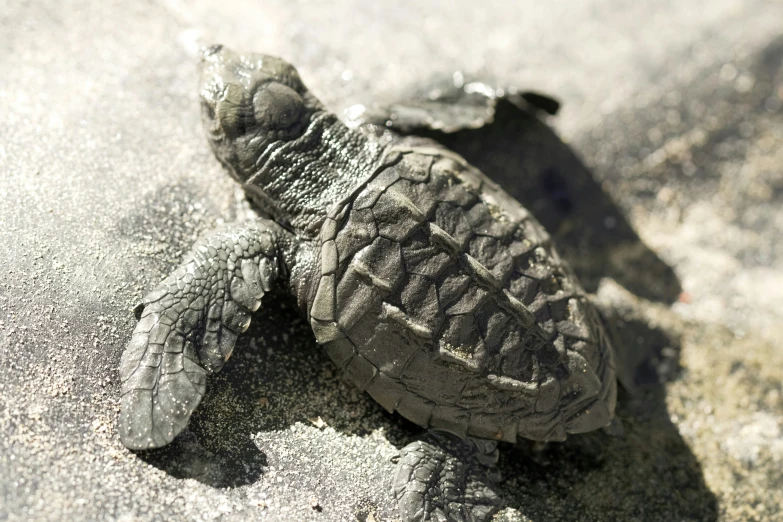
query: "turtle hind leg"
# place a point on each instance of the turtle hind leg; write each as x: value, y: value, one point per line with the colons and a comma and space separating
x: 443, y: 478
x: 188, y: 326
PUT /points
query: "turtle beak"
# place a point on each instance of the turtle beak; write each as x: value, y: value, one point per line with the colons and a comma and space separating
x: 211, y: 56
x: 210, y: 66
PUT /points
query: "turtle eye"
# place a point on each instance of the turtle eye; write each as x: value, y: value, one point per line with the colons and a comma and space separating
x: 277, y: 106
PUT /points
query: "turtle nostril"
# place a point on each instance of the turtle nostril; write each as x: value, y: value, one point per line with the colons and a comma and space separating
x: 210, y: 50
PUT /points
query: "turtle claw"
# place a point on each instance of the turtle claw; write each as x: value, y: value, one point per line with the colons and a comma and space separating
x: 188, y: 327
x: 440, y: 479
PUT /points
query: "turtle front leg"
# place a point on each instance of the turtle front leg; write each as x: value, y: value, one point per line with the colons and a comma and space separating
x: 444, y: 478
x: 445, y: 107
x: 188, y: 328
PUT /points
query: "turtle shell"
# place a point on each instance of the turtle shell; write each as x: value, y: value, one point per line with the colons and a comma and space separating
x: 444, y: 299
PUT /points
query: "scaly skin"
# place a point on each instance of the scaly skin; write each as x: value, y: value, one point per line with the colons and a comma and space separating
x: 189, y: 325
x: 440, y: 478
x: 433, y: 289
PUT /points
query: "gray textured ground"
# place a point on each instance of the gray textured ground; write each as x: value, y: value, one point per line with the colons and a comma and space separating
x: 105, y: 180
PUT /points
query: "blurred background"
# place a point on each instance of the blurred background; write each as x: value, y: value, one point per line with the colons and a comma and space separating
x: 661, y: 180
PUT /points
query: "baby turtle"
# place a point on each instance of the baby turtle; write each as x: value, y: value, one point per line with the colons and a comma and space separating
x: 431, y: 288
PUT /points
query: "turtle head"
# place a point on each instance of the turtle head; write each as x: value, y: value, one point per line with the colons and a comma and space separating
x: 293, y: 157
x: 250, y: 104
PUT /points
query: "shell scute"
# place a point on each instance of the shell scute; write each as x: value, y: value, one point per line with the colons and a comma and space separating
x: 359, y: 231
x: 385, y: 345
x: 395, y: 214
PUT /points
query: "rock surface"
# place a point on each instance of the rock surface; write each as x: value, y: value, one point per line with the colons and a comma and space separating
x: 672, y: 215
